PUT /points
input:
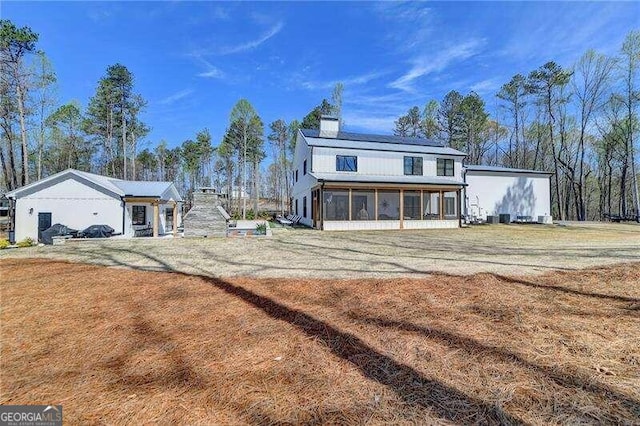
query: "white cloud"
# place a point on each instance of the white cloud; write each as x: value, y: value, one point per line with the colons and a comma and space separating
x: 428, y: 64
x: 213, y: 72
x: 252, y: 44
x: 564, y: 32
x: 347, y: 82
x: 488, y: 86
x: 365, y: 121
x: 176, y: 97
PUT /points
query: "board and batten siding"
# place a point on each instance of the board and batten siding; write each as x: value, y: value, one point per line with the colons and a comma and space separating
x: 70, y: 203
x: 517, y: 194
x: 302, y: 188
x: 380, y: 163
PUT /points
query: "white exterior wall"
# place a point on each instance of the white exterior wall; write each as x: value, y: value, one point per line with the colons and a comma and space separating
x: 381, y: 163
x: 70, y: 203
x: 518, y: 194
x: 302, y: 188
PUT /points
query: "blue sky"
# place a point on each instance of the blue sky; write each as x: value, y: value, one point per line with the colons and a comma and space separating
x: 193, y: 60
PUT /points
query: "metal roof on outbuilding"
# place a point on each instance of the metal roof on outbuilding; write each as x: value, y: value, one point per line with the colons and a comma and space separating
x: 156, y: 189
x: 497, y: 169
x: 117, y: 187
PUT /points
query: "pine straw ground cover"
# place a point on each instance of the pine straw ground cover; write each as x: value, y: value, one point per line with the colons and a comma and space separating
x: 124, y: 346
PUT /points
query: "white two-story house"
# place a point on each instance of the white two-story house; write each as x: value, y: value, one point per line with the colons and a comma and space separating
x: 349, y: 181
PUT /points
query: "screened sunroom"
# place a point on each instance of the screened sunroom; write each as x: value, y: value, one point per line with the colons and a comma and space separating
x: 341, y: 206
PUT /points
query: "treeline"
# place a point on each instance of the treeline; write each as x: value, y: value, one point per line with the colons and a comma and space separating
x: 580, y: 123
x: 40, y: 136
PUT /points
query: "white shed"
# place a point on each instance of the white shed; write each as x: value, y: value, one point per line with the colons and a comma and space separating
x: 492, y: 191
x: 79, y: 199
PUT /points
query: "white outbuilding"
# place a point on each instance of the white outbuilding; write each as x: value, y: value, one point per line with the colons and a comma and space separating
x: 79, y: 199
x: 524, y: 195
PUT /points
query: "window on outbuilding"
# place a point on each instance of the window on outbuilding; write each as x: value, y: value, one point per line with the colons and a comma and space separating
x: 413, y: 166
x: 445, y: 167
x: 346, y: 163
x: 139, y: 215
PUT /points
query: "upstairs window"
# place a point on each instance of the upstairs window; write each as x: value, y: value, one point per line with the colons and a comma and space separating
x: 445, y: 167
x: 413, y: 166
x: 346, y: 163
x: 304, y: 167
x: 296, y: 175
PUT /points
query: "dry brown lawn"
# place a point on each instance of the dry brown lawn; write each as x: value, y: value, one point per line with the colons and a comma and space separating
x: 118, y: 346
x: 303, y: 253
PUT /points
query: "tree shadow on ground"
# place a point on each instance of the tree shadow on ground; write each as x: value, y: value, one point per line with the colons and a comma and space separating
x: 561, y: 289
x: 570, y: 380
x: 411, y: 386
x: 147, y: 337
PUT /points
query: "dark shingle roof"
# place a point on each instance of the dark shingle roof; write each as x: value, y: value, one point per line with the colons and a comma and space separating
x: 363, y: 137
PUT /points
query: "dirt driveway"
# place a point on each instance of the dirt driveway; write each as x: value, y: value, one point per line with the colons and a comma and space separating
x: 502, y: 249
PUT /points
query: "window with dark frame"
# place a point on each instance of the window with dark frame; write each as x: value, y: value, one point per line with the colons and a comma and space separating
x: 304, y: 207
x: 346, y: 163
x: 304, y: 167
x: 445, y: 167
x: 413, y: 166
x: 139, y: 215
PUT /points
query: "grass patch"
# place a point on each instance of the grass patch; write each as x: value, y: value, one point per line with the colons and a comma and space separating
x: 129, y: 346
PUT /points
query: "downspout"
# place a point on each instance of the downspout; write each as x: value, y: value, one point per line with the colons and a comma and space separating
x: 463, y: 193
x: 12, y: 220
x: 550, y: 199
x: 124, y: 213
x: 322, y: 206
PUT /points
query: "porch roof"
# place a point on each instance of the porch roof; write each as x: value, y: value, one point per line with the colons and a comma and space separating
x: 142, y: 189
x: 414, y: 180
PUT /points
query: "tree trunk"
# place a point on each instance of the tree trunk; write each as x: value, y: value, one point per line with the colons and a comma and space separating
x: 244, y: 175
x: 256, y: 185
x: 634, y: 186
x: 555, y: 157
x: 133, y: 155
x: 124, y: 143
x: 12, y: 183
x: 5, y: 169
x: 23, y: 133
x: 112, y: 160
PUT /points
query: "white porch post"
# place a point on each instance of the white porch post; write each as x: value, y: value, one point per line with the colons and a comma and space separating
x: 175, y: 219
x: 156, y: 212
